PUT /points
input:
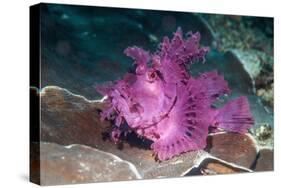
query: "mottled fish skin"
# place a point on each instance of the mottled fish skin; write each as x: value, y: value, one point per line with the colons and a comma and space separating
x: 162, y: 102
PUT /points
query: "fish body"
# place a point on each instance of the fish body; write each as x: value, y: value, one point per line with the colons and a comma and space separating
x: 162, y: 102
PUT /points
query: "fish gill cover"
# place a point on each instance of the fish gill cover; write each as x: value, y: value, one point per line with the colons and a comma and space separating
x: 162, y: 102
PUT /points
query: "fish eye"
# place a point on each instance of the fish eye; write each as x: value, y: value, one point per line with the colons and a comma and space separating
x: 151, y: 75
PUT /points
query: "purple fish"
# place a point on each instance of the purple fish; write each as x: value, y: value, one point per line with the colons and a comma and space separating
x: 162, y: 102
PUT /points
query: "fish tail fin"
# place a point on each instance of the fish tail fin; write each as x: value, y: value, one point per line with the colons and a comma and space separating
x: 235, y: 116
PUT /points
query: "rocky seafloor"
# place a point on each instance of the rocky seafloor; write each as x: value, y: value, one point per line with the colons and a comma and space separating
x: 82, y: 47
x: 75, y: 148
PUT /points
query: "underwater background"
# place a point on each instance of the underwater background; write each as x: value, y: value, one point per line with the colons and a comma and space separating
x: 82, y: 46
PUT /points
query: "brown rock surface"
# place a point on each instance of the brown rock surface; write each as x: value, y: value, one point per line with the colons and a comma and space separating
x: 231, y: 147
x: 81, y: 164
x: 265, y: 160
x: 211, y: 166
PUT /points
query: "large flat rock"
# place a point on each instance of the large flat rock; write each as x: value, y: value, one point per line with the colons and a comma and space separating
x: 81, y: 164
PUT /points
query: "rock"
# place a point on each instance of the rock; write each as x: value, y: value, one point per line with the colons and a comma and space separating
x: 211, y: 166
x: 68, y: 119
x: 250, y: 61
x: 81, y: 164
x: 175, y: 167
x: 231, y: 147
x: 218, y: 168
x: 71, y: 119
x: 265, y: 160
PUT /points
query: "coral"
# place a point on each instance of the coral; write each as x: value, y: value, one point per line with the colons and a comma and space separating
x: 162, y: 102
